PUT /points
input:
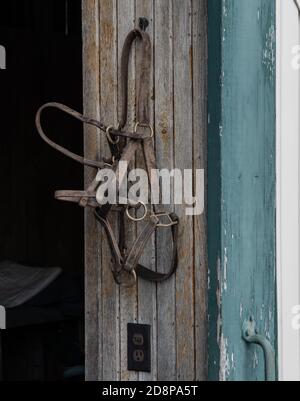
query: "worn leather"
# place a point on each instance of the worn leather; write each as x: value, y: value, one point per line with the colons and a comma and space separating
x: 124, y: 262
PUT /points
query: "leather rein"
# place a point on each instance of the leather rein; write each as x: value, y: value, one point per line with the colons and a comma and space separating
x: 123, y: 146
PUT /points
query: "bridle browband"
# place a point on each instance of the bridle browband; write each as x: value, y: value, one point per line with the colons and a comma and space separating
x: 123, y: 146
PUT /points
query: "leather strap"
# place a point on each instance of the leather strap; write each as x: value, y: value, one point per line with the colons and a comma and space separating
x: 59, y: 148
x: 130, y: 39
x: 131, y: 262
x: 89, y: 121
x: 124, y: 262
x: 83, y: 198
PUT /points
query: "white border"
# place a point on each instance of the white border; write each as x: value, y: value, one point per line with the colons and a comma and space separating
x: 288, y: 271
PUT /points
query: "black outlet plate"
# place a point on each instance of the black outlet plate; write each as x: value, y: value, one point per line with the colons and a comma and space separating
x: 139, y: 347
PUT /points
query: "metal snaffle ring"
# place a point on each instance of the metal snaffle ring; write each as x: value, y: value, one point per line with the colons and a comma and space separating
x: 136, y: 219
x: 143, y: 125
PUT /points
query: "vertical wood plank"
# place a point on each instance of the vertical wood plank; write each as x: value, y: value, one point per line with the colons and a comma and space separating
x: 128, y: 296
x: 147, y: 290
x: 109, y: 326
x: 183, y: 125
x: 200, y: 162
x: 178, y: 113
x: 166, y: 346
x: 93, y: 284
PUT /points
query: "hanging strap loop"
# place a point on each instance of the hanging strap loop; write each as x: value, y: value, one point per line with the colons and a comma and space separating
x: 61, y: 149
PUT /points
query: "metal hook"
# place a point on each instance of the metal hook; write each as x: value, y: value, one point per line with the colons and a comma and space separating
x: 143, y: 23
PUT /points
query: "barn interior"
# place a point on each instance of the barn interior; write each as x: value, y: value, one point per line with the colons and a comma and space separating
x: 44, y: 336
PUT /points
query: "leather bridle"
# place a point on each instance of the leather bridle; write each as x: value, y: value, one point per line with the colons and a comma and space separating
x: 123, y: 146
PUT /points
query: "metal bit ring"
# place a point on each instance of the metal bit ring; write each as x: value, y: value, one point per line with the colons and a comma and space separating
x: 136, y: 219
x: 143, y: 125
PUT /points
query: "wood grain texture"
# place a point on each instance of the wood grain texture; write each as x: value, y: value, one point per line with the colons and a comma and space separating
x: 199, y: 44
x: 128, y: 296
x: 241, y: 184
x: 147, y: 290
x: 109, y: 324
x: 93, y: 284
x: 183, y: 128
x: 178, y: 325
x: 164, y: 127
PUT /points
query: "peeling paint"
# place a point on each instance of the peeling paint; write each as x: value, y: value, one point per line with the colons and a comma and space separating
x: 240, y: 134
x: 269, y: 52
x: 225, y: 365
x: 225, y: 270
x: 222, y: 79
x: 233, y: 364
x: 219, y: 301
x: 255, y: 360
x: 225, y: 9
x: 220, y: 130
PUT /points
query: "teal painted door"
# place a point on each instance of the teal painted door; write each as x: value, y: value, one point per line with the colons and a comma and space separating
x: 241, y: 184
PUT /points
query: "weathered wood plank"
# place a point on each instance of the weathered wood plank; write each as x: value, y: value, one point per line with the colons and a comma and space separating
x: 93, y: 284
x: 128, y: 296
x: 146, y: 290
x: 109, y: 325
x: 200, y: 162
x: 183, y: 106
x: 166, y: 347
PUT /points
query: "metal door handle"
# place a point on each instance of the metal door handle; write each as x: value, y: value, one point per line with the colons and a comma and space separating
x: 251, y: 335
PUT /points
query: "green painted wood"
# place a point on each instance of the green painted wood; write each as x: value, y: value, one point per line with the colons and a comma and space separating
x: 241, y: 184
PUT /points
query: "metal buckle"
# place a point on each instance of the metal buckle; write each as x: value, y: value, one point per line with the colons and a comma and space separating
x: 109, y: 138
x: 164, y: 225
x: 136, y: 219
x: 138, y: 124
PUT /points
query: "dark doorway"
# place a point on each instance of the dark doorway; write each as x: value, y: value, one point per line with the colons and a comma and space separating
x: 43, y: 63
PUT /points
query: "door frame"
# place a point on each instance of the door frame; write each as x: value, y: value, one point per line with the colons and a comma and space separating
x: 288, y: 187
x: 241, y: 184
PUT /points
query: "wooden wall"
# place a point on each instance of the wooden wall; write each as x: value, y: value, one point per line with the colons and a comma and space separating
x: 176, y: 310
